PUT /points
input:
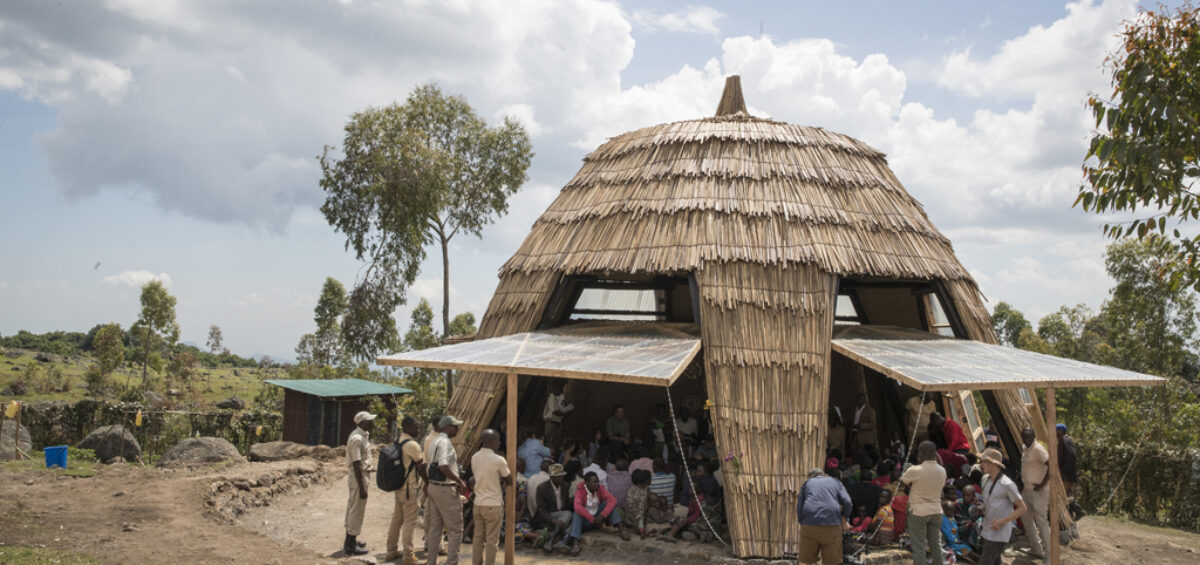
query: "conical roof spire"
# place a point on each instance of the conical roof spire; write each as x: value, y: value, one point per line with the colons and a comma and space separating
x: 732, y: 102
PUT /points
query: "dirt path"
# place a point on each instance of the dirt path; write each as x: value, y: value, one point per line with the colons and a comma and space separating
x: 313, y: 520
x: 130, y: 514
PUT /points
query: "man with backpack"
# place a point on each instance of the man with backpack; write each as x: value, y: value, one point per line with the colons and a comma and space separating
x: 406, y: 458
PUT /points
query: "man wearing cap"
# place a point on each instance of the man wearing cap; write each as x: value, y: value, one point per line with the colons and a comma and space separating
x: 822, y: 510
x: 1035, y: 474
x: 1002, y: 505
x: 553, y: 509
x: 443, y: 507
x: 924, y: 521
x: 358, y: 458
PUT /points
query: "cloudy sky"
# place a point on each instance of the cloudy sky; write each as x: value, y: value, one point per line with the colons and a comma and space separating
x: 176, y: 140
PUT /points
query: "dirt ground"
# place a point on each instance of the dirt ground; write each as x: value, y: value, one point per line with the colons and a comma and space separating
x: 134, y: 514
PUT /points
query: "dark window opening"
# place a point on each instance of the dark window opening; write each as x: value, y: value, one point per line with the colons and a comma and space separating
x: 650, y: 299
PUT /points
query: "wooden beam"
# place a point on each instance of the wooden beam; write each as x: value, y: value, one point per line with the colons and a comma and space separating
x: 510, y: 502
x: 1055, y: 480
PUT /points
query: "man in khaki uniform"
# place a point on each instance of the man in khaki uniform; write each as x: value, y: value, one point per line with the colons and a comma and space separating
x: 1035, y: 474
x: 358, y: 459
x: 491, y: 476
x: 443, y: 507
x: 406, y: 512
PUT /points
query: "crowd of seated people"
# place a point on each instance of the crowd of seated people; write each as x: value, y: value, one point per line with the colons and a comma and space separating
x: 881, y: 499
x: 629, y: 479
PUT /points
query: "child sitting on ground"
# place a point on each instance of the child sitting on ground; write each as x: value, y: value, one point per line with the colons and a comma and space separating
x: 950, y: 535
x: 885, y: 532
x: 860, y: 522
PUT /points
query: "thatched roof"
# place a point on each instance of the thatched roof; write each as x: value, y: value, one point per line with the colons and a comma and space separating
x: 671, y: 197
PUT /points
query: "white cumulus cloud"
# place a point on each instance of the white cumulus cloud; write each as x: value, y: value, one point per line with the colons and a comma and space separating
x: 136, y: 278
x: 701, y: 20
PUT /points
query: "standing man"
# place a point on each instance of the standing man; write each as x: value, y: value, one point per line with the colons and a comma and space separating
x: 918, y: 417
x: 1002, y: 505
x: 407, y: 509
x: 835, y: 438
x: 659, y: 427
x: 617, y: 429
x: 553, y: 414
x: 822, y: 510
x: 491, y: 476
x: 443, y: 508
x: 924, y: 521
x: 864, y: 425
x: 358, y: 458
x: 1068, y: 464
x: 1035, y: 474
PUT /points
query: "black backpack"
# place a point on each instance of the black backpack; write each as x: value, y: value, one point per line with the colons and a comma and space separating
x: 390, y: 474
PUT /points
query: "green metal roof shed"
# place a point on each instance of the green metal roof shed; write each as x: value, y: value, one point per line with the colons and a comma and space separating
x: 319, y: 411
x: 338, y: 388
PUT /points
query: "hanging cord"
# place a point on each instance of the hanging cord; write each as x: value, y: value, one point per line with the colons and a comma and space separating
x: 913, y: 440
x: 687, y: 473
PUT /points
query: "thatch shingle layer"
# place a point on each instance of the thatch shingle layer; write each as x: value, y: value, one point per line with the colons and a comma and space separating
x: 675, y: 196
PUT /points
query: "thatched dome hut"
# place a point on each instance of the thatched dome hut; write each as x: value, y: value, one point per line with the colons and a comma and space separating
x: 766, y: 224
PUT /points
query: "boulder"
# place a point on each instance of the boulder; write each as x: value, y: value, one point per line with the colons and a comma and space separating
x: 7, y: 433
x: 234, y: 403
x: 153, y: 400
x: 173, y: 392
x: 15, y: 389
x: 283, y: 450
x: 200, y: 451
x: 43, y: 357
x: 112, y: 441
x: 278, y: 451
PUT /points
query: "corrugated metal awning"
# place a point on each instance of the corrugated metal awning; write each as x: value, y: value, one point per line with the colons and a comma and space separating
x: 338, y: 388
x: 926, y: 361
x: 650, y: 353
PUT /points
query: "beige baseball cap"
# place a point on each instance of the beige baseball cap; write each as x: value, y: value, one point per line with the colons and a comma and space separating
x: 363, y: 416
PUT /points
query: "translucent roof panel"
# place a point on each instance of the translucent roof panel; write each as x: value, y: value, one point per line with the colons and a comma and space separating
x: 926, y: 361
x: 651, y: 353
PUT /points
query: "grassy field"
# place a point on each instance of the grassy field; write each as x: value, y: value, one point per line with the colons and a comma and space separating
x: 17, y: 555
x: 208, y: 387
x: 81, y: 463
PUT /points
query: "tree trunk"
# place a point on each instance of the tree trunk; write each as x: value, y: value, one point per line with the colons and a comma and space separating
x: 145, y: 354
x: 446, y: 308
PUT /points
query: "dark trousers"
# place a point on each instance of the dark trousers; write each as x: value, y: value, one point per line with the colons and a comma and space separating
x: 992, y: 552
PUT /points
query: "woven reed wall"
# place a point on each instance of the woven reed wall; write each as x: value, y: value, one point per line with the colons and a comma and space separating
x: 766, y: 335
x: 516, y: 307
x: 978, y: 323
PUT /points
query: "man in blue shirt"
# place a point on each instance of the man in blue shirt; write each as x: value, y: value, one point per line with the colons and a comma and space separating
x: 822, y: 511
x: 533, y: 450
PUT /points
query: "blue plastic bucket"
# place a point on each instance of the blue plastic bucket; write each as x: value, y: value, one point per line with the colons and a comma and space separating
x: 56, y: 457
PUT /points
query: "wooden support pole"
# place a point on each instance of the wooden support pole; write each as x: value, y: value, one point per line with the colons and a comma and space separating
x: 510, y: 502
x: 1055, y: 480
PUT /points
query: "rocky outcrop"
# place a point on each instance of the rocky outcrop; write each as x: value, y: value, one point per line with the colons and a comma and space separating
x: 7, y: 434
x: 285, y: 450
x: 112, y: 441
x: 233, y: 403
x: 200, y: 451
